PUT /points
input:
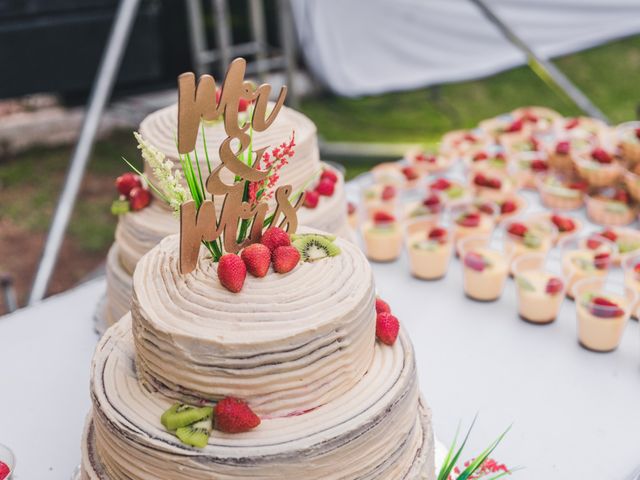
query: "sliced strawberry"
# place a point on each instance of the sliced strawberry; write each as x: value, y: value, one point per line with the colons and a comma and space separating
x: 554, y: 286
x: 636, y: 268
x: 515, y: 126
x: 508, y: 206
x: 517, y: 229
x: 602, y: 260
x: 480, y: 156
x: 4, y: 471
x: 494, y: 183
x: 601, y: 155
x: 539, y: 166
x: 564, y: 224
x: 563, y: 147
x: 388, y: 193
x: 637, y: 132
x: 572, y: 123
x: 578, y: 185
x: 438, y: 234
x: 486, y: 208
x: 469, y: 220
x: 410, y: 173
x: 474, y: 261
x: 604, y: 308
x: 480, y: 180
x: 441, y: 184
x: 621, y: 196
x: 431, y: 201
x: 383, y: 218
x: 470, y: 137
x: 593, y: 243
x: 351, y: 208
x: 387, y: 328
x: 530, y: 117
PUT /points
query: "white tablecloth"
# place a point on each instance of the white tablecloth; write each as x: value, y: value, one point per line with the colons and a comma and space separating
x: 574, y: 412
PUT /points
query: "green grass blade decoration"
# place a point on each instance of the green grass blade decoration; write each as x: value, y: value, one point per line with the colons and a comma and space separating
x: 480, y: 459
x: 195, y: 153
x: 204, y: 144
x: 162, y: 196
x: 447, y: 466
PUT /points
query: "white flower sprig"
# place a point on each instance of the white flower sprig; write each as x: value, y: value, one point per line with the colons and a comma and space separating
x: 169, y: 179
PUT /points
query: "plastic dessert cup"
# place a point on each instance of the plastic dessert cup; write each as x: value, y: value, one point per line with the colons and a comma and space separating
x: 485, y: 269
x: 602, y: 311
x: 431, y: 205
x: 603, y: 210
x: 527, y: 166
x: 597, y: 174
x: 566, y: 225
x: 540, y: 292
x: 429, y: 247
x: 379, y: 197
x: 526, y: 236
x: 584, y: 257
x: 631, y: 267
x: 382, y: 240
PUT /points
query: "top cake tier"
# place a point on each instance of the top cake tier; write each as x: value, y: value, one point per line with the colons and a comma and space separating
x: 160, y: 130
x: 286, y: 344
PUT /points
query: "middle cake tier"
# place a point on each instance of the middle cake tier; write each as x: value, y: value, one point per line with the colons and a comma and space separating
x: 285, y: 344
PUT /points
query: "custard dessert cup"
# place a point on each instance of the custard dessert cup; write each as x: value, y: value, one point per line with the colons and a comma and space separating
x: 485, y: 269
x: 584, y: 257
x: 382, y: 238
x: 540, y: 292
x: 429, y: 246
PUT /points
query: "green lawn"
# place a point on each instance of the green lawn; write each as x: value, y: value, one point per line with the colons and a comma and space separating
x: 608, y: 75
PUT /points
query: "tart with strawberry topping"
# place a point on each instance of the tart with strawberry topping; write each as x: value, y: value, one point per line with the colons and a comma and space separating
x: 379, y: 197
x: 561, y: 193
x: 598, y: 167
x: 428, y: 162
x: 451, y: 191
x: 585, y: 256
x: 485, y: 269
x: 539, y: 292
x: 628, y: 136
x: 610, y: 206
x: 429, y: 246
x: 382, y: 237
x: 602, y: 312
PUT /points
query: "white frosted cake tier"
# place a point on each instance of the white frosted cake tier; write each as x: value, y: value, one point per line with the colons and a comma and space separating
x: 285, y: 343
x: 378, y: 429
x: 160, y: 129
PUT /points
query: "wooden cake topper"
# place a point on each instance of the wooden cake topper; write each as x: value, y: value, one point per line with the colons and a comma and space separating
x: 199, y: 221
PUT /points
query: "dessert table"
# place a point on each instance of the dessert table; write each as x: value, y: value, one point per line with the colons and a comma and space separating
x: 574, y: 412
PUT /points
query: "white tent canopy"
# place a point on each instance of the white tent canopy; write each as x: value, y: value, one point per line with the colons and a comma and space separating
x: 361, y: 47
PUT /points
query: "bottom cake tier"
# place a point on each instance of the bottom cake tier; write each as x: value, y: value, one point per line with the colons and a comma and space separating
x: 379, y: 430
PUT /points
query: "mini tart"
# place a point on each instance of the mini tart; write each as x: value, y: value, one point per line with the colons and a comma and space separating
x: 632, y: 181
x: 428, y: 257
x: 383, y: 241
x: 429, y: 162
x: 559, y: 194
x: 461, y: 142
x: 597, y: 174
x: 595, y: 331
x: 587, y: 128
x: 563, y: 150
x: 628, y: 136
x: 484, y: 285
x: 510, y: 206
x: 535, y: 303
x: 605, y: 210
x: 373, y: 199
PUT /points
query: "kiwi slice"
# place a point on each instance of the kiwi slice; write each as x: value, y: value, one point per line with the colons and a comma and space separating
x: 315, y: 247
x: 181, y: 415
x: 300, y: 236
x: 197, y: 434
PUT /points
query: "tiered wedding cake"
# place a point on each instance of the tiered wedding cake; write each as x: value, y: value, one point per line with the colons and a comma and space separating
x: 253, y: 349
x: 300, y: 348
x: 138, y: 232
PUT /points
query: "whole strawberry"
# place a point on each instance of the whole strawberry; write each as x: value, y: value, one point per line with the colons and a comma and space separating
x: 329, y: 175
x: 326, y: 187
x: 126, y: 182
x: 274, y: 237
x: 285, y: 258
x: 234, y: 416
x: 311, y: 199
x: 139, y: 198
x: 387, y: 328
x: 232, y: 272
x: 382, y: 306
x: 257, y: 259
